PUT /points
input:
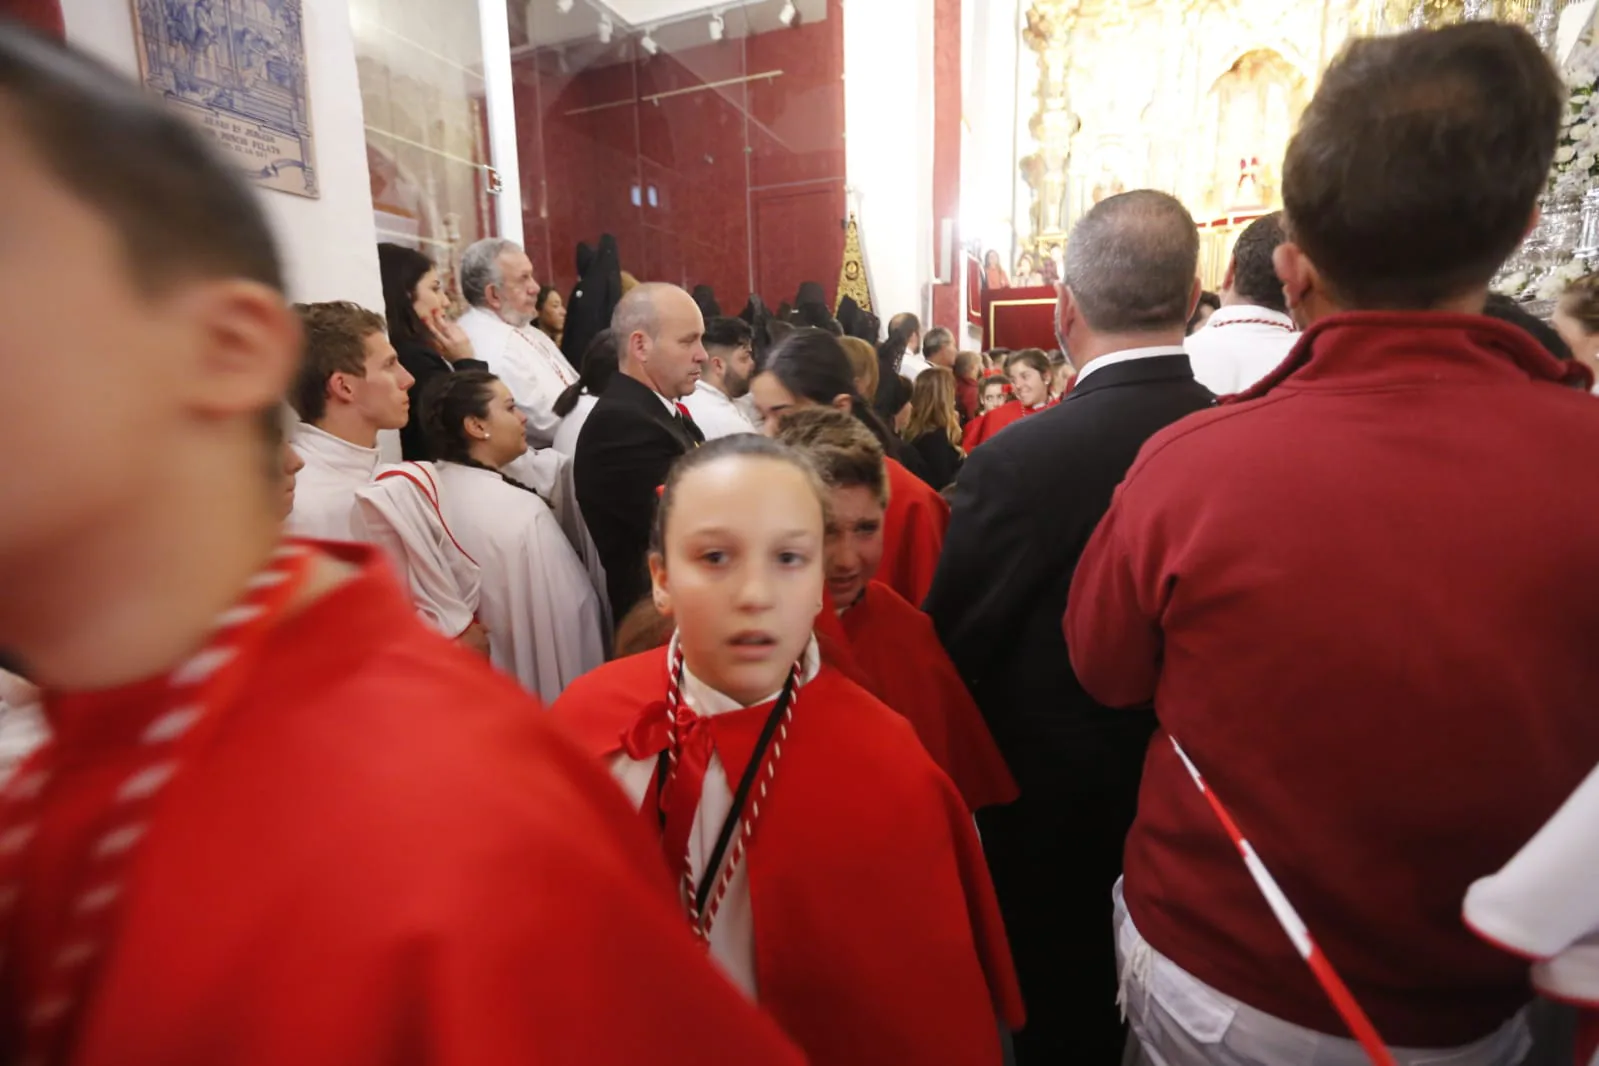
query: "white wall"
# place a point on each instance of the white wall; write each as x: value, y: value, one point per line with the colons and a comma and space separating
x: 888, y: 157
x: 330, y: 244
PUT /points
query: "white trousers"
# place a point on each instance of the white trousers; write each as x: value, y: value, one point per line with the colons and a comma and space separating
x: 1178, y: 1020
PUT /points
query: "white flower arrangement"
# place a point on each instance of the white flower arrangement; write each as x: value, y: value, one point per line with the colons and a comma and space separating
x: 1575, y: 170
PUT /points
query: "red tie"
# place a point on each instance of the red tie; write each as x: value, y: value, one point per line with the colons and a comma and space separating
x: 682, y: 409
x: 678, y: 802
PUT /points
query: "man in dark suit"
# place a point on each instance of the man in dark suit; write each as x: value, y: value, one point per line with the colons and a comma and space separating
x: 637, y: 430
x: 1024, y: 508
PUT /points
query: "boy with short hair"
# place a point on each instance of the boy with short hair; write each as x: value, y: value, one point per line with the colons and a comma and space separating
x: 277, y: 820
x: 350, y: 386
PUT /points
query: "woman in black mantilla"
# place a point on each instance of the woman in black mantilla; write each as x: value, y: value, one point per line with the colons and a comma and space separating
x: 427, y: 340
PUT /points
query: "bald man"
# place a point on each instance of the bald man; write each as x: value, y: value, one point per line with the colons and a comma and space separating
x: 637, y: 430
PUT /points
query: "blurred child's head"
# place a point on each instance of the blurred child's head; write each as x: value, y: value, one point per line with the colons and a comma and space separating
x: 850, y: 462
x: 993, y: 394
x: 736, y: 561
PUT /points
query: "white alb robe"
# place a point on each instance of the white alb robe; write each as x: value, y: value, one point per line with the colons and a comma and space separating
x: 542, y: 612
x: 572, y: 425
x: 733, y: 935
x: 324, y: 492
x: 1238, y: 346
x: 529, y: 363
x: 401, y: 513
x: 715, y: 414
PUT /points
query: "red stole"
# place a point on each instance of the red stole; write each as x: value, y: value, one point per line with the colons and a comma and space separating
x: 896, y: 644
x: 913, y: 533
x: 877, y: 937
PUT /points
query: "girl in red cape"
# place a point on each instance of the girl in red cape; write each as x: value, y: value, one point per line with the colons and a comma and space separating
x: 893, y: 643
x: 829, y: 866
x: 810, y: 368
x: 1029, y: 372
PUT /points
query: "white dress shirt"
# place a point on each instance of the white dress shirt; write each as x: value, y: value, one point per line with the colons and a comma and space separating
x: 912, y: 365
x: 1240, y: 345
x: 529, y: 363
x: 733, y: 935
x: 324, y: 492
x: 1124, y: 356
x: 715, y: 414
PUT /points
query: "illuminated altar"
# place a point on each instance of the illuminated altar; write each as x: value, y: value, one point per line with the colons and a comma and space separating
x: 1196, y: 97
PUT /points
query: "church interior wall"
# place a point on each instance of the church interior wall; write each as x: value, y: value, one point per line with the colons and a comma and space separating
x: 329, y: 245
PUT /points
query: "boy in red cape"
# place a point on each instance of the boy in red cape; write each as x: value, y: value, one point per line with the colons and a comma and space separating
x: 277, y: 820
x: 913, y: 533
x: 830, y: 867
x: 893, y: 642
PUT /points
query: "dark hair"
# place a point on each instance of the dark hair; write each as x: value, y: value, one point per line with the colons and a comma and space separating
x: 402, y: 270
x: 601, y: 359
x: 1417, y: 165
x: 1254, y: 274
x: 811, y: 363
x: 993, y: 379
x: 1505, y: 309
x: 904, y: 326
x: 179, y: 211
x: 1206, y: 299
x: 725, y: 332
x: 749, y: 445
x: 545, y: 292
x: 447, y: 402
x: 1131, y: 261
x: 967, y: 364
x: 1033, y: 357
x: 335, y: 343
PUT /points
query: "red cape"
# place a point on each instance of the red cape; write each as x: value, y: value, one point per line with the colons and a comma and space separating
x: 984, y: 428
x: 390, y: 854
x: 897, y: 646
x: 877, y: 937
x: 913, y: 533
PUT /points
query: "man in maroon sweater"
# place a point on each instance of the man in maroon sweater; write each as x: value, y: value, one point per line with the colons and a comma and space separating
x: 1363, y: 594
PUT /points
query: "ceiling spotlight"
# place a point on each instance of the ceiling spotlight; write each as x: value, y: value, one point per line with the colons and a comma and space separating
x: 718, y: 27
x: 606, y: 27
x: 786, y: 16
x: 564, y: 6
x: 648, y: 43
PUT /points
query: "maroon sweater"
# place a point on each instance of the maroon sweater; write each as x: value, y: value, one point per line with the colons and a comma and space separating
x: 1365, y: 598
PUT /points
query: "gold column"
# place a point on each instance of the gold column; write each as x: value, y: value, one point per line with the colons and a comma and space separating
x: 1049, y: 29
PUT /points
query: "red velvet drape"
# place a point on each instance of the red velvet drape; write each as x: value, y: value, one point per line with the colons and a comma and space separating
x: 43, y: 14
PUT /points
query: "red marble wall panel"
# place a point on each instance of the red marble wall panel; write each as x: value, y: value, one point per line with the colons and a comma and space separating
x: 40, y: 14
x: 701, y: 164
x: 947, y: 310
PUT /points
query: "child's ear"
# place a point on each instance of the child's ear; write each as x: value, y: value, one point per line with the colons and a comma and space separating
x: 661, y: 594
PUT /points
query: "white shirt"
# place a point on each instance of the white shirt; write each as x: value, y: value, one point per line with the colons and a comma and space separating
x: 324, y: 492
x: 529, y: 363
x: 535, y: 598
x: 566, y: 435
x: 733, y: 935
x: 714, y: 413
x: 1240, y: 345
x: 912, y: 365
x: 1124, y: 356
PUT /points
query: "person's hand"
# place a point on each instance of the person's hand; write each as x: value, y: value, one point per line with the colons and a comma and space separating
x: 475, y: 638
x: 450, y: 339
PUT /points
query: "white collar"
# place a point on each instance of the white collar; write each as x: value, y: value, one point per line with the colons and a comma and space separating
x: 707, y: 702
x: 482, y: 316
x: 335, y: 453
x: 1126, y: 356
x: 1247, y: 312
x: 712, y: 391
x: 917, y: 358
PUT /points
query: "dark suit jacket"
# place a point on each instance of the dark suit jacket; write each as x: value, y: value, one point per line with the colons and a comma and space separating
x: 424, y: 365
x: 1024, y: 507
x: 626, y: 447
x: 593, y: 298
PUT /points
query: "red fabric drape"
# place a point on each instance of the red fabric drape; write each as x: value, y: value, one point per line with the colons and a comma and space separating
x: 41, y: 14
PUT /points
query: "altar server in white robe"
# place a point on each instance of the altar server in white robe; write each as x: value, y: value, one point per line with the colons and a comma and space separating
x: 541, y: 609
x: 497, y: 280
x: 725, y: 379
x: 350, y: 387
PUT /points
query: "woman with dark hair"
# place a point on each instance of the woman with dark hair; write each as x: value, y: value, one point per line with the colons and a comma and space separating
x: 427, y: 340
x: 545, y: 622
x: 809, y: 367
x: 550, y: 314
x: 572, y: 407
